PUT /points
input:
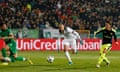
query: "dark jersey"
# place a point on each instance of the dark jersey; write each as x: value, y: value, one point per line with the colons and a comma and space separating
x: 107, y: 35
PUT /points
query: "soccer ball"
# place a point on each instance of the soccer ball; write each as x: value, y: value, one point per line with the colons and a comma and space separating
x: 50, y: 59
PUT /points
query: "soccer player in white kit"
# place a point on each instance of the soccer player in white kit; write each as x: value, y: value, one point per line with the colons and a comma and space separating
x: 70, y: 37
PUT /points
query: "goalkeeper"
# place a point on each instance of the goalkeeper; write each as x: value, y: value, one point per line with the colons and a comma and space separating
x: 108, y: 33
x: 10, y: 46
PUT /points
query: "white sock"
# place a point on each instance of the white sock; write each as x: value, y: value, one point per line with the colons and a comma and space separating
x: 24, y: 59
x: 75, y: 50
x: 68, y: 56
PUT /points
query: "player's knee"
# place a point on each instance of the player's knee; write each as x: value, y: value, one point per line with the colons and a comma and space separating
x: 105, y: 50
x: 8, y: 52
x: 65, y: 48
x: 15, y: 55
x: 6, y: 47
x: 102, y: 55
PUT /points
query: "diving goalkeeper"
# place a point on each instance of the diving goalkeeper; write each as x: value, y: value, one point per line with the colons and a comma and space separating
x: 10, y: 46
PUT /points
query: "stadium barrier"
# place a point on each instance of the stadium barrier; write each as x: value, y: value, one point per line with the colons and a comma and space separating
x: 56, y: 44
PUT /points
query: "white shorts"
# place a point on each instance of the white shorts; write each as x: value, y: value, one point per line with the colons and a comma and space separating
x: 70, y: 42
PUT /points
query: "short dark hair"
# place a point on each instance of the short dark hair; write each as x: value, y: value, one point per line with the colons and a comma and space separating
x: 109, y: 23
x: 1, y: 24
x: 60, y: 24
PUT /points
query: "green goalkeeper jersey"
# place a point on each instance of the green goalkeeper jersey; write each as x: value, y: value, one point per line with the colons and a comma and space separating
x: 6, y: 33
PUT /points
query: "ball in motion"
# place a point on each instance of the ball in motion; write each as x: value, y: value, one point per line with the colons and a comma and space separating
x: 50, y: 59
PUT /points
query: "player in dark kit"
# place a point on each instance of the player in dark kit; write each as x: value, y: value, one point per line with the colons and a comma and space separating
x: 107, y: 34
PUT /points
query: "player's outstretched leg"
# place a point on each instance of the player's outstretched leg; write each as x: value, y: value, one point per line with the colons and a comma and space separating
x: 13, y: 54
x: 4, y: 54
x: 68, y: 57
x: 4, y: 60
x: 100, y: 60
x: 67, y: 54
x: 74, y: 47
x: 29, y: 60
x: 102, y: 57
x: 4, y: 57
x: 20, y: 58
x: 107, y: 61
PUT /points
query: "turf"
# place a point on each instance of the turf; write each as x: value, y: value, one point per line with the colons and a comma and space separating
x: 84, y: 61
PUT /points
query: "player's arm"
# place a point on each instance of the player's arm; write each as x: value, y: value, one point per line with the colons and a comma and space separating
x: 11, y: 36
x: 75, y: 33
x: 115, y: 37
x: 78, y: 36
x: 69, y: 30
x: 98, y: 31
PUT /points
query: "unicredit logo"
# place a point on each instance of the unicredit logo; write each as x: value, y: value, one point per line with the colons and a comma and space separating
x: 54, y: 44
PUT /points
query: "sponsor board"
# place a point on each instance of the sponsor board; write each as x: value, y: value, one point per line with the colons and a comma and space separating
x: 56, y: 44
x: 2, y: 44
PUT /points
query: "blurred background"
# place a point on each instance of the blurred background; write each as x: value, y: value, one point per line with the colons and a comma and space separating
x: 40, y: 18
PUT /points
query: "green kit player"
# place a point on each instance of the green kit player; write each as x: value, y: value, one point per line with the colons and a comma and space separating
x: 107, y: 34
x: 9, y: 49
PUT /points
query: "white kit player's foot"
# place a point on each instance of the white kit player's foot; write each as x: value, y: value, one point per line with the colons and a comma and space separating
x: 70, y: 63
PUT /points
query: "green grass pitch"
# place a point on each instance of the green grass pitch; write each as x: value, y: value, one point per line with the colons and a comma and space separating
x: 84, y: 61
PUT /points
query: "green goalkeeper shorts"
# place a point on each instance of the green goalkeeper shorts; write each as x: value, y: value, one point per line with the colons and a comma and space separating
x: 12, y: 47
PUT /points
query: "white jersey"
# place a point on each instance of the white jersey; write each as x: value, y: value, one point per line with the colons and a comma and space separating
x: 70, y: 34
